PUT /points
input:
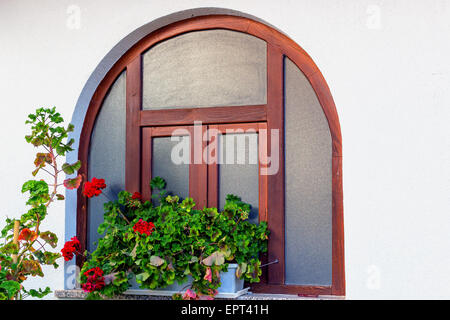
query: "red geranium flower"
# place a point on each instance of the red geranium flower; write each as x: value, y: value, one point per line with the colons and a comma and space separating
x: 95, y: 280
x: 70, y: 248
x: 144, y: 227
x: 136, y: 196
x: 97, y: 272
x: 93, y: 188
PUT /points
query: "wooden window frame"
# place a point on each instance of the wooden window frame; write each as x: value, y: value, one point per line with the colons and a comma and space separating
x: 197, y: 172
x: 203, y: 178
x: 213, y: 168
x: 279, y: 46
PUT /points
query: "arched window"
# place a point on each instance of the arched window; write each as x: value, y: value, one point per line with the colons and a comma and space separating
x: 221, y: 78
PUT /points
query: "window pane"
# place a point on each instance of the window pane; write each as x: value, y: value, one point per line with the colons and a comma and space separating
x: 205, y: 69
x: 107, y: 154
x: 308, y: 184
x: 238, y: 170
x: 175, y: 173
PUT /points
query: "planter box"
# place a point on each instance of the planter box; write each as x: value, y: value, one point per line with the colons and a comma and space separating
x: 230, y: 283
x: 231, y: 286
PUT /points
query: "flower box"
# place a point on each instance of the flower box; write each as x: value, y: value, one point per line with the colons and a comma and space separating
x: 151, y: 237
x: 231, y: 286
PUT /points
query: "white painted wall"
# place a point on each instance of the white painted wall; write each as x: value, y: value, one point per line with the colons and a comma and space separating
x: 388, y: 68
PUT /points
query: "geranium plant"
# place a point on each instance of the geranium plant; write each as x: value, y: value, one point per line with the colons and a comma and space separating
x: 167, y: 240
x: 25, y: 247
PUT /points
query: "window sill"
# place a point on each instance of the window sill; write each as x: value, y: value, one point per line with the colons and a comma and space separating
x: 80, y: 294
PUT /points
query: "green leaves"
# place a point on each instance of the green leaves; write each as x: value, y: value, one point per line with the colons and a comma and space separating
x: 41, y: 160
x: 71, y: 168
x: 32, y: 267
x: 172, y: 199
x: 241, y: 269
x: 47, y: 257
x: 10, y: 287
x: 188, y: 204
x: 141, y: 277
x: 102, y: 227
x: 38, y: 192
x: 73, y: 183
x: 50, y: 238
x: 217, y: 258
x: 8, y: 227
x: 158, y: 183
x: 45, y: 131
x: 185, y: 242
x: 156, y: 261
x: 10, y: 248
x: 38, y: 293
x: 33, y: 215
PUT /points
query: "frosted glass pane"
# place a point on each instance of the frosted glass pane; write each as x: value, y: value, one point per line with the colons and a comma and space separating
x: 176, y: 175
x: 205, y: 69
x: 238, y: 169
x: 107, y: 154
x: 308, y: 184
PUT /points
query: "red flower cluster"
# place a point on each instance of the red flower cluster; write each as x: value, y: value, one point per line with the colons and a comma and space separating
x: 95, y: 280
x: 93, y: 188
x: 136, y: 196
x: 70, y: 248
x: 144, y: 227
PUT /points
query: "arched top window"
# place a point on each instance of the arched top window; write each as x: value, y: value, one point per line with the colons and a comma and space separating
x: 241, y: 80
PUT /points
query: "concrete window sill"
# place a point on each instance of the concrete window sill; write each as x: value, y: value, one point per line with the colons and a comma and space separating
x: 80, y: 294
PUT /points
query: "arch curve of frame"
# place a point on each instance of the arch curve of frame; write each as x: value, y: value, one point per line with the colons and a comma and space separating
x: 278, y: 45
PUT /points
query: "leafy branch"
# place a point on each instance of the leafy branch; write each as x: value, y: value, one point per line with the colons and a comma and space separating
x: 18, y: 257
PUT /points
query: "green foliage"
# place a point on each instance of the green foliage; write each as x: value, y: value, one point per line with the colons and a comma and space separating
x: 158, y: 183
x: 38, y: 192
x: 23, y: 258
x: 50, y: 238
x: 46, y: 131
x: 71, y: 168
x: 185, y: 241
x: 38, y: 293
x: 73, y: 183
x: 9, y: 288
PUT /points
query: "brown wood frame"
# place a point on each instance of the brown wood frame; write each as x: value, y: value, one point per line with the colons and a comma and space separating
x: 278, y: 46
x: 213, y: 174
x: 213, y: 168
x: 197, y: 172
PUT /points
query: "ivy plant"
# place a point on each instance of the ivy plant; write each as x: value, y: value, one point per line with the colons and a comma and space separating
x: 164, y: 241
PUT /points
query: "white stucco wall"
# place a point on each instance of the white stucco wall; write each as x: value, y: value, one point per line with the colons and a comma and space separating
x: 388, y: 68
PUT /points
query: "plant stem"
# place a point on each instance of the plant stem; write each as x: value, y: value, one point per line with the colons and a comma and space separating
x: 123, y: 216
x: 15, y: 238
x: 38, y: 220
